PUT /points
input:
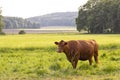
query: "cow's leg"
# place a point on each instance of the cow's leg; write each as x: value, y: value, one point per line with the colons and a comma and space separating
x: 96, y: 57
x: 90, y: 61
x: 74, y: 63
x: 74, y: 59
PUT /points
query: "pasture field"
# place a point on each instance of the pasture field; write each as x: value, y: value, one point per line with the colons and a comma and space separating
x: 34, y: 57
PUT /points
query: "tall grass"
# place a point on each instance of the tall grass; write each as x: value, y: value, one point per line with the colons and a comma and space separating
x: 33, y: 57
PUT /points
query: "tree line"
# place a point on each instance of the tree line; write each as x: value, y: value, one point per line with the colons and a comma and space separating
x: 1, y: 21
x: 18, y: 23
x: 99, y: 16
x: 53, y: 19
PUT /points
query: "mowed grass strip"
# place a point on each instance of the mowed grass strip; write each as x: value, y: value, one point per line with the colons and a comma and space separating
x: 34, y: 56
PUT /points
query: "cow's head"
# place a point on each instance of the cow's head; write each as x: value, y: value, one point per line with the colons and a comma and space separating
x: 61, y: 46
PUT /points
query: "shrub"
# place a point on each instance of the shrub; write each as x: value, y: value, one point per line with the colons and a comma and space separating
x: 22, y: 32
x: 2, y: 33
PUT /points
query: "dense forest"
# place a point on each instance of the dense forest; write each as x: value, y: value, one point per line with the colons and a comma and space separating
x: 99, y: 16
x: 17, y: 23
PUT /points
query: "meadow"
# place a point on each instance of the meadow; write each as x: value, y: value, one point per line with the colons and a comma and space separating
x: 34, y: 57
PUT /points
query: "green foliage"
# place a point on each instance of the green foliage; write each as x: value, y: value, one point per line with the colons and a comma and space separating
x: 34, y: 57
x: 99, y: 16
x: 1, y: 21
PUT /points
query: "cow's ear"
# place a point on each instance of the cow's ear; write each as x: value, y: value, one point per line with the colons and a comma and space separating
x: 56, y: 43
x: 65, y: 43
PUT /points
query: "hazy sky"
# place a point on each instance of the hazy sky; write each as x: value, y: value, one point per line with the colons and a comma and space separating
x: 29, y: 8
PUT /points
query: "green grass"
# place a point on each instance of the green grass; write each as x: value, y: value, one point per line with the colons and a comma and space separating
x: 34, y: 57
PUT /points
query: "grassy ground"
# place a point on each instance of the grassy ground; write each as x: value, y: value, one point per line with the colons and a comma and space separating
x: 34, y: 57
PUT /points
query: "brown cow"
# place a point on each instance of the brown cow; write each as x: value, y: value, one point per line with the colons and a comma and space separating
x: 78, y: 50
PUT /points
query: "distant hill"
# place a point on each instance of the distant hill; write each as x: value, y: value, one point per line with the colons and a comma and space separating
x: 55, y: 19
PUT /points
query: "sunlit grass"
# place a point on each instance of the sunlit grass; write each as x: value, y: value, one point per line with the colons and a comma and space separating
x: 48, y: 39
x: 30, y: 57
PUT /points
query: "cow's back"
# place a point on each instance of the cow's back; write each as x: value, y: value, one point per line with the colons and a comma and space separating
x: 73, y: 44
x: 80, y: 45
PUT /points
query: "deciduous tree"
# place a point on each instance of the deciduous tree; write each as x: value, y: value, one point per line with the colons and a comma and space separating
x: 99, y: 16
x: 1, y: 21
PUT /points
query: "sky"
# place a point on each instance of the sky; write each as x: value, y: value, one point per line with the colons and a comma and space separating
x: 31, y: 8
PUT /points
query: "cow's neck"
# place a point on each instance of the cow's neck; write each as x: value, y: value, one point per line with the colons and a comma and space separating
x: 66, y: 49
